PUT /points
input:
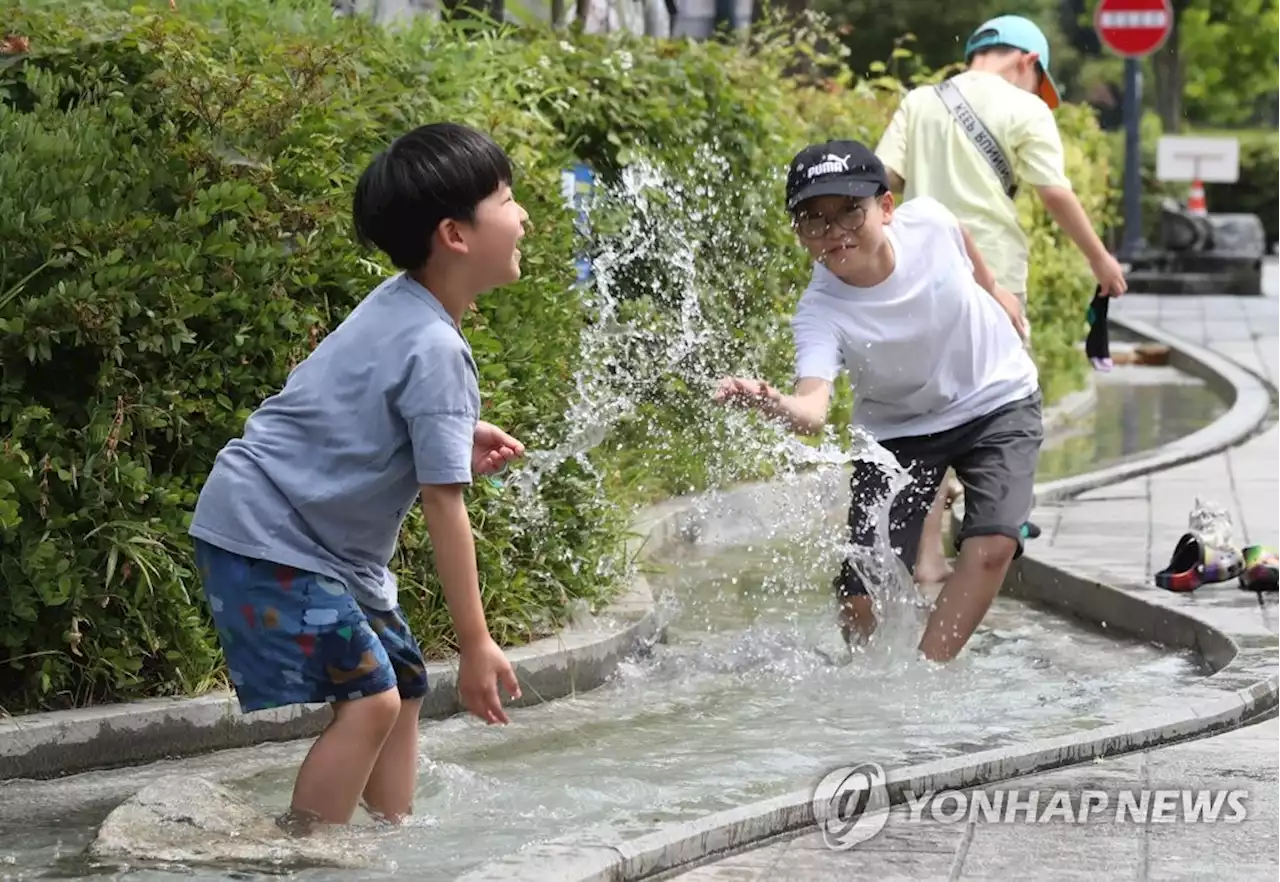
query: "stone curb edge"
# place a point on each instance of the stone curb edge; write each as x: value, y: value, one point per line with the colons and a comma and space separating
x: 678, y: 847
x: 58, y: 743
x: 1250, y: 403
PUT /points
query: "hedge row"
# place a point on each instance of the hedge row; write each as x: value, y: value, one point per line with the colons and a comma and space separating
x: 175, y: 235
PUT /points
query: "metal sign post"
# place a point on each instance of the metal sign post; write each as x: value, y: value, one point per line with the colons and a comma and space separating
x: 1133, y: 29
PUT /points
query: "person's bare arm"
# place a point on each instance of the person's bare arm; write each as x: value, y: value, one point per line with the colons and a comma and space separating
x: 481, y: 662
x: 1068, y: 213
x: 449, y: 527
x: 805, y: 411
x: 982, y: 273
x: 896, y: 182
x: 986, y: 279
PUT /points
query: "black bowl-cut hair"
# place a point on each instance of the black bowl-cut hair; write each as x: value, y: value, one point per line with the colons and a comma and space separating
x: 435, y: 172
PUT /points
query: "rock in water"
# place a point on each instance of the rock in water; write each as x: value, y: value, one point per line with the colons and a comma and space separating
x: 188, y: 820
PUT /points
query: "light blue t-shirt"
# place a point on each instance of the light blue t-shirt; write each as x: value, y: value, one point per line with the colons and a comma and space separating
x: 328, y: 468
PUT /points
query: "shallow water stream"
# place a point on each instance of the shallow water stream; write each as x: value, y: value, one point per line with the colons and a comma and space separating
x: 752, y: 695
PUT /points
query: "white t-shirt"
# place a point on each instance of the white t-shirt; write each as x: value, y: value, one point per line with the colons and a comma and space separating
x: 927, y: 349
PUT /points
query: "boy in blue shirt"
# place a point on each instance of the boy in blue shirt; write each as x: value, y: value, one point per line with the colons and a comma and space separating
x: 299, y: 517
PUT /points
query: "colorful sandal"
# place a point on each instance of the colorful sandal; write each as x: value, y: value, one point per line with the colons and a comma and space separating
x: 1194, y: 564
x: 1260, y: 569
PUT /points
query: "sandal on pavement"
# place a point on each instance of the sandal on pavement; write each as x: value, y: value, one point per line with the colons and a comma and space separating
x: 1194, y: 564
x: 1260, y: 569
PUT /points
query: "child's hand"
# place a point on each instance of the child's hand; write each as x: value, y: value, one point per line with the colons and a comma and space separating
x: 480, y: 669
x: 740, y: 390
x: 492, y: 449
x: 1110, y: 275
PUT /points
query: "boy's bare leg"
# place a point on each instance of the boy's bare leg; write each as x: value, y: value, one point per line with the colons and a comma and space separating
x: 857, y: 618
x: 968, y: 594
x: 337, y: 768
x: 389, y: 793
x: 931, y: 559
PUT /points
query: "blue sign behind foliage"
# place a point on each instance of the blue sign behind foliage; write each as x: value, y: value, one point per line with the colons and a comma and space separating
x: 578, y: 183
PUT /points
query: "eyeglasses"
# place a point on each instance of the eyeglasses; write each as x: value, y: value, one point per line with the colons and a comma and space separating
x: 850, y: 218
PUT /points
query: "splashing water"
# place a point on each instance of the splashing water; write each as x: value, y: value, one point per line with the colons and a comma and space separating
x: 663, y: 254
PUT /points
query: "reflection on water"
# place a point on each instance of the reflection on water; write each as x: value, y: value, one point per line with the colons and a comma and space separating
x: 1138, y: 410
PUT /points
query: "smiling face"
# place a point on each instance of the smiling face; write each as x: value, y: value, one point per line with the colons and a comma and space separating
x: 493, y: 238
x: 843, y: 233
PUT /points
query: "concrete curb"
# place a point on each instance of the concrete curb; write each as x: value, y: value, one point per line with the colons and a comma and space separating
x: 48, y: 745
x: 1071, y: 408
x: 1244, y: 684
x: 1250, y: 403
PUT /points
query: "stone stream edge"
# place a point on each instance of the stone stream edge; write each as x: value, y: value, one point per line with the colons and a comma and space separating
x: 580, y: 658
x: 1242, y: 687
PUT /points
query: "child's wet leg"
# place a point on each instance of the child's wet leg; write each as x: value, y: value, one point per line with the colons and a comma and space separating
x: 389, y: 793
x: 969, y: 593
x: 931, y: 560
x: 857, y: 619
x: 338, y: 767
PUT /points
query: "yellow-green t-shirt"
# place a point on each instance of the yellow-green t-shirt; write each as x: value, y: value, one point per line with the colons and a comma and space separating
x: 929, y: 150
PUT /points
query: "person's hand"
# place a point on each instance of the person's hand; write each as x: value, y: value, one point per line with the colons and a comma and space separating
x: 1012, y: 306
x: 480, y: 669
x: 492, y: 449
x: 746, y: 391
x: 1110, y: 276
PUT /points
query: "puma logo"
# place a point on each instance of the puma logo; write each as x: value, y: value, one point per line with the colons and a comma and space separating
x: 830, y: 165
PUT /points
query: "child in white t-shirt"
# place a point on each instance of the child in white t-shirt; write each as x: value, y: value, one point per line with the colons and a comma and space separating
x: 901, y: 299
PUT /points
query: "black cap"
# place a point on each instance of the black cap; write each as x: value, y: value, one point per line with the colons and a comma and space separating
x: 836, y: 168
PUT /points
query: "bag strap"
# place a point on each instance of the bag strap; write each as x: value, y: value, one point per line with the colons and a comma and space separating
x: 973, y: 126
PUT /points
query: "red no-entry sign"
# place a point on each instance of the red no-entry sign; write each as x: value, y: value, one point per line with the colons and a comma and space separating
x: 1133, y: 28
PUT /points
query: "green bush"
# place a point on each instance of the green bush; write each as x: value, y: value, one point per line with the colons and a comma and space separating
x: 175, y: 235
x: 1258, y: 189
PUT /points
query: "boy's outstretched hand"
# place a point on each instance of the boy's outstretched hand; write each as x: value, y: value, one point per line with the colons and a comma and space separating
x: 480, y: 669
x: 745, y: 391
x: 492, y: 449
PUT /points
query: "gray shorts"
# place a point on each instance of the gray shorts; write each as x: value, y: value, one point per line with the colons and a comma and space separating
x: 995, y: 458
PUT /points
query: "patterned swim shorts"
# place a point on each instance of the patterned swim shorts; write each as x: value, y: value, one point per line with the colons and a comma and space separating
x: 293, y: 637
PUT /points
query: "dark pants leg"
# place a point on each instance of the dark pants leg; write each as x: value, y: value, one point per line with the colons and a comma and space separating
x: 906, y: 517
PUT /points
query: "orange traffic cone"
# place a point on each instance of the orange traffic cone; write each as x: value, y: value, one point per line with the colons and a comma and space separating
x: 1195, y: 200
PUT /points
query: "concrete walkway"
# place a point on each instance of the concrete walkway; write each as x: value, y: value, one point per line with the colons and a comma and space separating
x: 1121, y: 535
x: 1101, y: 848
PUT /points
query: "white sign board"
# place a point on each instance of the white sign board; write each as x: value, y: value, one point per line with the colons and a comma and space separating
x: 1196, y: 158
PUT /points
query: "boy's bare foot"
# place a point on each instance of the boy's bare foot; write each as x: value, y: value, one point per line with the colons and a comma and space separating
x: 299, y: 824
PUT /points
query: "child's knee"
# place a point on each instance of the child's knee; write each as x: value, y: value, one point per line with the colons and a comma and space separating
x: 373, y: 715
x: 990, y: 553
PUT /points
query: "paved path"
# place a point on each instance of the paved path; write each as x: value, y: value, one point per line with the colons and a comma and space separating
x: 1122, y: 535
x: 1100, y: 848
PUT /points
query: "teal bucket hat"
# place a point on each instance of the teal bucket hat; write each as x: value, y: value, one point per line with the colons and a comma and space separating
x: 1019, y: 33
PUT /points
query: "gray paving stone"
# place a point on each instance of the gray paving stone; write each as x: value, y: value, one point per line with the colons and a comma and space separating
x: 1010, y: 851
